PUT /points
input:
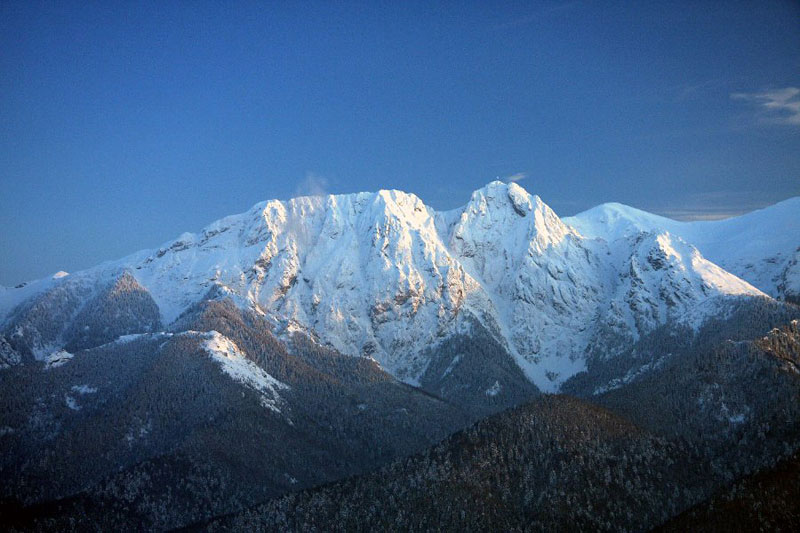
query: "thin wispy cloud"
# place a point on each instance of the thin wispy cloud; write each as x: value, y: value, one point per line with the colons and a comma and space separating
x: 776, y: 105
x: 686, y: 215
x: 519, y: 176
x: 715, y: 205
x: 311, y: 185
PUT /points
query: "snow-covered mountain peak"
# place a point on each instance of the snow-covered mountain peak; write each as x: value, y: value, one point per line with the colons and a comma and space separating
x: 676, y: 259
x: 363, y: 270
x: 507, y: 216
x: 497, y: 195
x: 761, y: 247
x: 611, y: 221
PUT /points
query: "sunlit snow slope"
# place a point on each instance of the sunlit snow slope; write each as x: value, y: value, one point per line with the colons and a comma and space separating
x: 383, y: 275
x: 762, y: 247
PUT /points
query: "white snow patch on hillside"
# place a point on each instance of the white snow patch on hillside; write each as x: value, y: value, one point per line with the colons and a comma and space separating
x: 70, y: 400
x: 58, y: 358
x: 125, y: 339
x: 71, y: 403
x: 631, y: 375
x: 451, y: 366
x: 233, y: 362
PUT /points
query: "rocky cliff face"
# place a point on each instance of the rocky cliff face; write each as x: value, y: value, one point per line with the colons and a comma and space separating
x: 385, y: 276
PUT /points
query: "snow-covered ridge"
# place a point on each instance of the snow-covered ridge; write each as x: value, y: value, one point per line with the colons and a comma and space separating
x: 382, y: 274
x: 234, y: 363
x: 57, y: 358
x: 761, y: 247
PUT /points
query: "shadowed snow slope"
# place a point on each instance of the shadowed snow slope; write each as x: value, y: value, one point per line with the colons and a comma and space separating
x: 383, y: 275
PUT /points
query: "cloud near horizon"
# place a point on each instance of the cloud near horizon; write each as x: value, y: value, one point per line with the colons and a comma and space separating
x: 715, y: 205
x: 780, y: 105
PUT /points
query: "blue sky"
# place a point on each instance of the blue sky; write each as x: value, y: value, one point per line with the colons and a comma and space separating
x: 124, y: 124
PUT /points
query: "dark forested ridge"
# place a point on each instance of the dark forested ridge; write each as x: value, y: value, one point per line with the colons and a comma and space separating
x: 475, y: 371
x: 713, y: 412
x: 151, y: 430
x: 764, y: 501
x: 736, y: 400
x: 225, y: 420
x: 557, y: 463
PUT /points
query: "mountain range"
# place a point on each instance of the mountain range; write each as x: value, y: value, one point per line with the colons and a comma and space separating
x: 321, y: 337
x: 359, y: 271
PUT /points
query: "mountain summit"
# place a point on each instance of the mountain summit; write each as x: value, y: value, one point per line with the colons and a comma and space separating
x: 360, y: 271
x: 762, y: 247
x: 311, y: 340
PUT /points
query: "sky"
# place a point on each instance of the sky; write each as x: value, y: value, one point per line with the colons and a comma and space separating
x: 122, y: 125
